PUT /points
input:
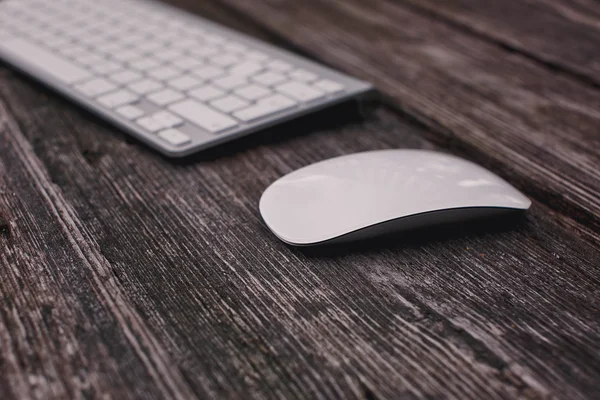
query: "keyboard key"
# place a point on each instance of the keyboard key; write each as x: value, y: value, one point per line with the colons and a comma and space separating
x: 267, y: 106
x: 203, y: 116
x: 149, y: 46
x: 252, y: 92
x: 185, y: 82
x: 162, y: 73
x: 144, y: 64
x: 130, y: 112
x: 169, y: 35
x: 300, y: 91
x: 125, y: 77
x: 174, y: 136
x: 118, y: 98
x: 145, y: 86
x: 73, y: 50
x: 278, y: 65
x: 126, y: 55
x: 207, y: 92
x: 229, y: 103
x: 257, y: 56
x: 167, y: 54
x: 194, y: 31
x: 186, y: 62
x: 95, y: 87
x: 92, y: 39
x: 225, y: 60
x: 247, y: 68
x: 185, y: 43
x: 109, y: 47
x: 235, y: 47
x: 329, y: 86
x: 207, y: 72
x: 164, y: 97
x: 204, y: 51
x: 303, y: 75
x: 55, y: 41
x: 230, y: 82
x: 269, y: 78
x: 43, y: 60
x: 150, y: 124
x: 106, y: 67
x: 168, y: 119
x: 214, y: 39
x: 133, y: 39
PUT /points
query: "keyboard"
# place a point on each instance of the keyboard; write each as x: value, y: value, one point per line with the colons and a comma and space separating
x: 177, y: 82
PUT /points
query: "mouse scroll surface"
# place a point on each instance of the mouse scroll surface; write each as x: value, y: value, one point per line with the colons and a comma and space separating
x: 342, y: 195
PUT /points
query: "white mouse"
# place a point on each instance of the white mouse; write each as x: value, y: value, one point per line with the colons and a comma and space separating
x: 367, y: 194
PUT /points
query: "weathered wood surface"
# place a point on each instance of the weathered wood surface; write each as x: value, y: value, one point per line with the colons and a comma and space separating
x: 127, y: 275
x: 563, y: 34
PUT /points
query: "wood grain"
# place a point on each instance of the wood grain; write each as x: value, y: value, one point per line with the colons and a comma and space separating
x: 65, y: 323
x: 563, y: 35
x: 507, y: 112
x: 127, y: 275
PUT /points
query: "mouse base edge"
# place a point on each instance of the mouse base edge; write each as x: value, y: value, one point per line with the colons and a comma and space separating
x: 426, y: 220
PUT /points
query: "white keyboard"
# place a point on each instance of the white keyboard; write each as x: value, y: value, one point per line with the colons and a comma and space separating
x: 176, y: 81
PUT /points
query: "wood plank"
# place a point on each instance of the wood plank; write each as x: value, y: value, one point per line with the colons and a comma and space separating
x: 495, y: 313
x: 561, y: 34
x: 532, y: 125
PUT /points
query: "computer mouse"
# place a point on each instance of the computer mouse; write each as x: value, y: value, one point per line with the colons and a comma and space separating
x: 367, y: 194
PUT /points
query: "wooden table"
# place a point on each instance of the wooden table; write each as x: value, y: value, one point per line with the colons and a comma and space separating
x: 127, y: 275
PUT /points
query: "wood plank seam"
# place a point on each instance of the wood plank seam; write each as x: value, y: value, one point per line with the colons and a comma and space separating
x: 545, y: 62
x: 4, y: 219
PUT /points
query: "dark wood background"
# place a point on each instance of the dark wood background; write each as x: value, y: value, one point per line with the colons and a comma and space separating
x: 127, y: 275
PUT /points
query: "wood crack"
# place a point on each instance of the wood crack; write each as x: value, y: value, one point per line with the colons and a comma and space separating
x: 4, y: 223
x: 547, y: 63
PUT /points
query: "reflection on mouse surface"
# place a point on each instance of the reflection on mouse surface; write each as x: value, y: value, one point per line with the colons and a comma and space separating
x: 367, y: 194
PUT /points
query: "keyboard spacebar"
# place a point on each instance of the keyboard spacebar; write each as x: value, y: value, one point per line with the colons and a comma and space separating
x: 42, y: 60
